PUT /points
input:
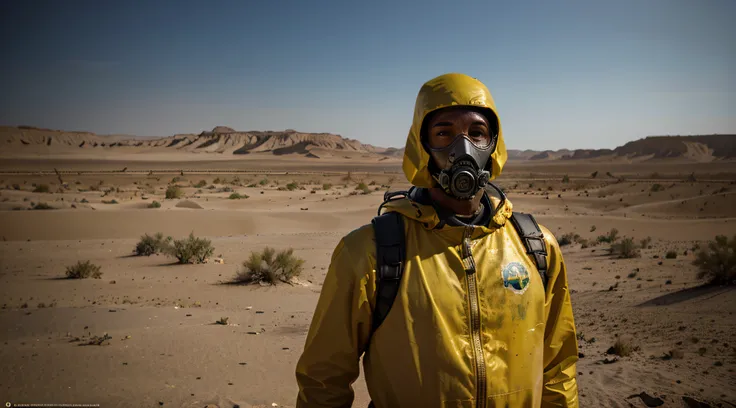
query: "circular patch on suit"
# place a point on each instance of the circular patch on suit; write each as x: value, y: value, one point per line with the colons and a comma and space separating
x: 515, y: 277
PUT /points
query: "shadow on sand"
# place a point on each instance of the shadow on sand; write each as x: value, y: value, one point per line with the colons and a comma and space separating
x: 687, y: 294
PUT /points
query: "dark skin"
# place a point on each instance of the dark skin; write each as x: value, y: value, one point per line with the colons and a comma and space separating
x: 442, y: 129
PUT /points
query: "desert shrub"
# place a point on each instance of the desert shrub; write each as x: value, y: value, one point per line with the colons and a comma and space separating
x: 292, y: 186
x: 656, y: 187
x: 217, y: 181
x: 191, y: 249
x: 154, y: 204
x: 83, y: 270
x: 611, y: 237
x: 671, y: 255
x: 113, y: 201
x: 626, y: 248
x: 43, y: 206
x: 565, y: 179
x: 644, y: 243
x: 263, y: 182
x: 717, y: 262
x: 632, y: 275
x: 200, y: 184
x: 84, y: 200
x: 594, y: 174
x: 174, y: 192
x: 568, y: 239
x: 149, y: 245
x: 361, y: 186
x: 41, y: 188
x: 16, y: 187
x: 176, y: 179
x: 592, y: 228
x: 622, y: 348
x: 237, y: 196
x: 252, y: 185
x: 326, y: 186
x: 269, y: 267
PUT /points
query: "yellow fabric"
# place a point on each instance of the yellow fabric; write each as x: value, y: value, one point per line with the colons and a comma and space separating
x: 442, y: 92
x: 423, y: 354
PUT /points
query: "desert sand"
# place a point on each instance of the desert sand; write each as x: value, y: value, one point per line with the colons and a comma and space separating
x: 166, y: 350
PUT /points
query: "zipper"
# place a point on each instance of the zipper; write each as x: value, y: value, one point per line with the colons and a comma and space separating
x: 480, y: 364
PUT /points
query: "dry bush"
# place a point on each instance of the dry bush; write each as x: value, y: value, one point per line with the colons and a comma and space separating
x: 201, y: 184
x: 644, y: 243
x: 149, y: 245
x: 174, y: 192
x: 671, y: 255
x: 656, y: 187
x: 113, y: 201
x: 191, y: 250
x: 622, y: 348
x: 263, y: 182
x: 717, y: 262
x: 362, y: 187
x: 626, y: 248
x: 41, y: 188
x: 565, y: 178
x: 326, y: 186
x: 237, y: 196
x: 83, y: 270
x: 154, y: 204
x: 269, y: 267
x: 611, y: 237
x: 594, y: 174
x: 292, y: 186
x: 568, y: 239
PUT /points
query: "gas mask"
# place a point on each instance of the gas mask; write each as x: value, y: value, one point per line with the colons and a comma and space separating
x: 462, y: 166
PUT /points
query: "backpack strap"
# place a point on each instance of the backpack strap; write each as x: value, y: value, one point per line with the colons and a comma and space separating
x: 531, y: 235
x: 390, y: 256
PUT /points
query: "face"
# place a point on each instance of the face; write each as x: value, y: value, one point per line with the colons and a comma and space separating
x: 447, y: 124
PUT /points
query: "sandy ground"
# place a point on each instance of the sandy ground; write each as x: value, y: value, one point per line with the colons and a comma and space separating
x: 165, y: 347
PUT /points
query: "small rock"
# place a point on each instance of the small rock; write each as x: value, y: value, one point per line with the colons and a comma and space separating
x: 260, y: 312
x: 581, y: 355
x: 693, y: 403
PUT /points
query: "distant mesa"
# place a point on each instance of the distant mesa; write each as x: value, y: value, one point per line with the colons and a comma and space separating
x: 226, y: 140
x: 692, y: 148
x: 221, y: 139
x: 223, y: 129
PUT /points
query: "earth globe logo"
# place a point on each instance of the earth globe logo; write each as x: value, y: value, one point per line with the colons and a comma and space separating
x: 515, y: 277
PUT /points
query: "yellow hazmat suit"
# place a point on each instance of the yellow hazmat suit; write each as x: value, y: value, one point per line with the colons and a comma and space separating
x: 471, y: 326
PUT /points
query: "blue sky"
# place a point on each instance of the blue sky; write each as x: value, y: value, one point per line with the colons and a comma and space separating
x: 567, y: 74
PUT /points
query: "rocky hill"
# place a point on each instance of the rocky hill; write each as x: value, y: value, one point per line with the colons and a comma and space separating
x: 221, y: 139
x: 225, y: 140
x: 696, y: 148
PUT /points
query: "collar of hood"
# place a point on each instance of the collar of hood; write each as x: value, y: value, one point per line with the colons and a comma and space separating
x: 442, y: 92
x: 425, y: 213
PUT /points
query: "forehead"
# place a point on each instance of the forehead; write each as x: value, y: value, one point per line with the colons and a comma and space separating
x: 457, y: 113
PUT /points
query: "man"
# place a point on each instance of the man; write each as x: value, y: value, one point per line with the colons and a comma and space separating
x: 473, y: 323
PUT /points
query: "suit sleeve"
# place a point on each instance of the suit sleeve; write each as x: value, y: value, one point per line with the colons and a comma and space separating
x: 338, y: 334
x: 560, y: 340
